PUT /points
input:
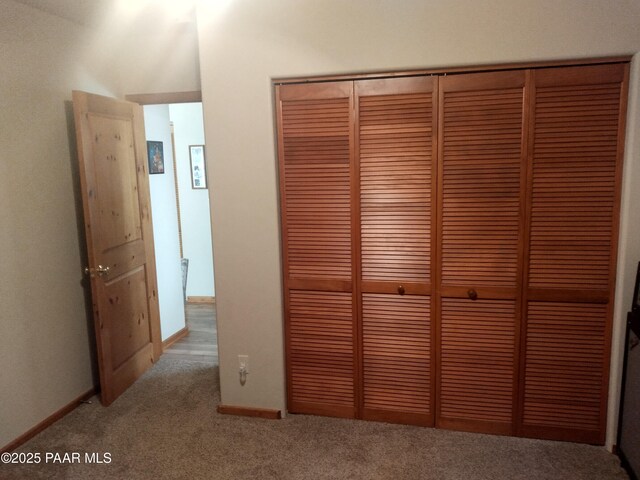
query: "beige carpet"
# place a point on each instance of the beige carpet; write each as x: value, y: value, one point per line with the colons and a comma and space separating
x: 166, y: 427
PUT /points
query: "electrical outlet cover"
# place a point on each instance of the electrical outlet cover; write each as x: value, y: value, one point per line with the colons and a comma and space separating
x: 243, y: 361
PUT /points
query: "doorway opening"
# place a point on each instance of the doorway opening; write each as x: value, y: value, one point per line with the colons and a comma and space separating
x: 179, y: 188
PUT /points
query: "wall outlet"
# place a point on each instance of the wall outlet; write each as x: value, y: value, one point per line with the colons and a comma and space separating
x: 243, y: 361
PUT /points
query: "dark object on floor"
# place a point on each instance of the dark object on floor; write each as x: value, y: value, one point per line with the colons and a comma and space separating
x: 629, y: 422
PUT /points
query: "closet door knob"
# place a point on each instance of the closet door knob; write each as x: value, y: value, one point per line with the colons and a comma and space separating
x: 473, y: 295
x: 400, y: 289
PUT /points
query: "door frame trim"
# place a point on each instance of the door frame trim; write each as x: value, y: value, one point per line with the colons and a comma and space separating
x: 165, y: 98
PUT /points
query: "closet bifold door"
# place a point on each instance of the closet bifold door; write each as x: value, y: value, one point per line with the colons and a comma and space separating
x: 480, y: 245
x: 315, y: 130
x: 395, y: 153
x: 574, y: 181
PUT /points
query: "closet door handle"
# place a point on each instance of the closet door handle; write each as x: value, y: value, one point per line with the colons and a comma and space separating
x: 473, y: 295
x: 400, y: 289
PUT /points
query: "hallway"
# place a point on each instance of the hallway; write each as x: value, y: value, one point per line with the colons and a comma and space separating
x: 201, y: 343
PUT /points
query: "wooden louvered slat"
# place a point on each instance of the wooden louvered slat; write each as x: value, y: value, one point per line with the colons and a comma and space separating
x: 481, y: 175
x: 575, y: 154
x: 316, y: 148
x: 477, y: 363
x: 397, y: 357
x: 565, y: 352
x: 321, y: 352
x: 395, y: 154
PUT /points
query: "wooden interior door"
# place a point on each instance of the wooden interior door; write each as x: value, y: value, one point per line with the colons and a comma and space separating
x: 577, y: 136
x: 117, y: 213
x: 395, y: 160
x: 315, y: 125
x: 481, y: 175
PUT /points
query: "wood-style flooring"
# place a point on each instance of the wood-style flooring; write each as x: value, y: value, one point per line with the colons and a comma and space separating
x: 201, y: 343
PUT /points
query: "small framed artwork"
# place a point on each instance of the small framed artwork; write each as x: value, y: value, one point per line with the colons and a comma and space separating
x: 156, y: 157
x: 198, y: 167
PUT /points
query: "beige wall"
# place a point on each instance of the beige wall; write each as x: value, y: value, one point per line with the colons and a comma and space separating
x: 243, y: 44
x: 45, y: 338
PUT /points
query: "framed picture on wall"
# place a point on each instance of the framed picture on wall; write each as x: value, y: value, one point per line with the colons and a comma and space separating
x: 156, y: 157
x: 198, y: 167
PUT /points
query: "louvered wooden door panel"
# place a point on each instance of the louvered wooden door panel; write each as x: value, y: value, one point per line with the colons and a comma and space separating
x: 395, y: 145
x: 321, y: 352
x: 478, y: 358
x: 481, y: 171
x: 397, y: 358
x: 564, y: 369
x: 315, y: 142
x: 574, y: 187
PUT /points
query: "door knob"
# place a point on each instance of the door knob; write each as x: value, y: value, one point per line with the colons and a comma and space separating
x: 400, y: 289
x: 473, y: 295
x: 99, y: 270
